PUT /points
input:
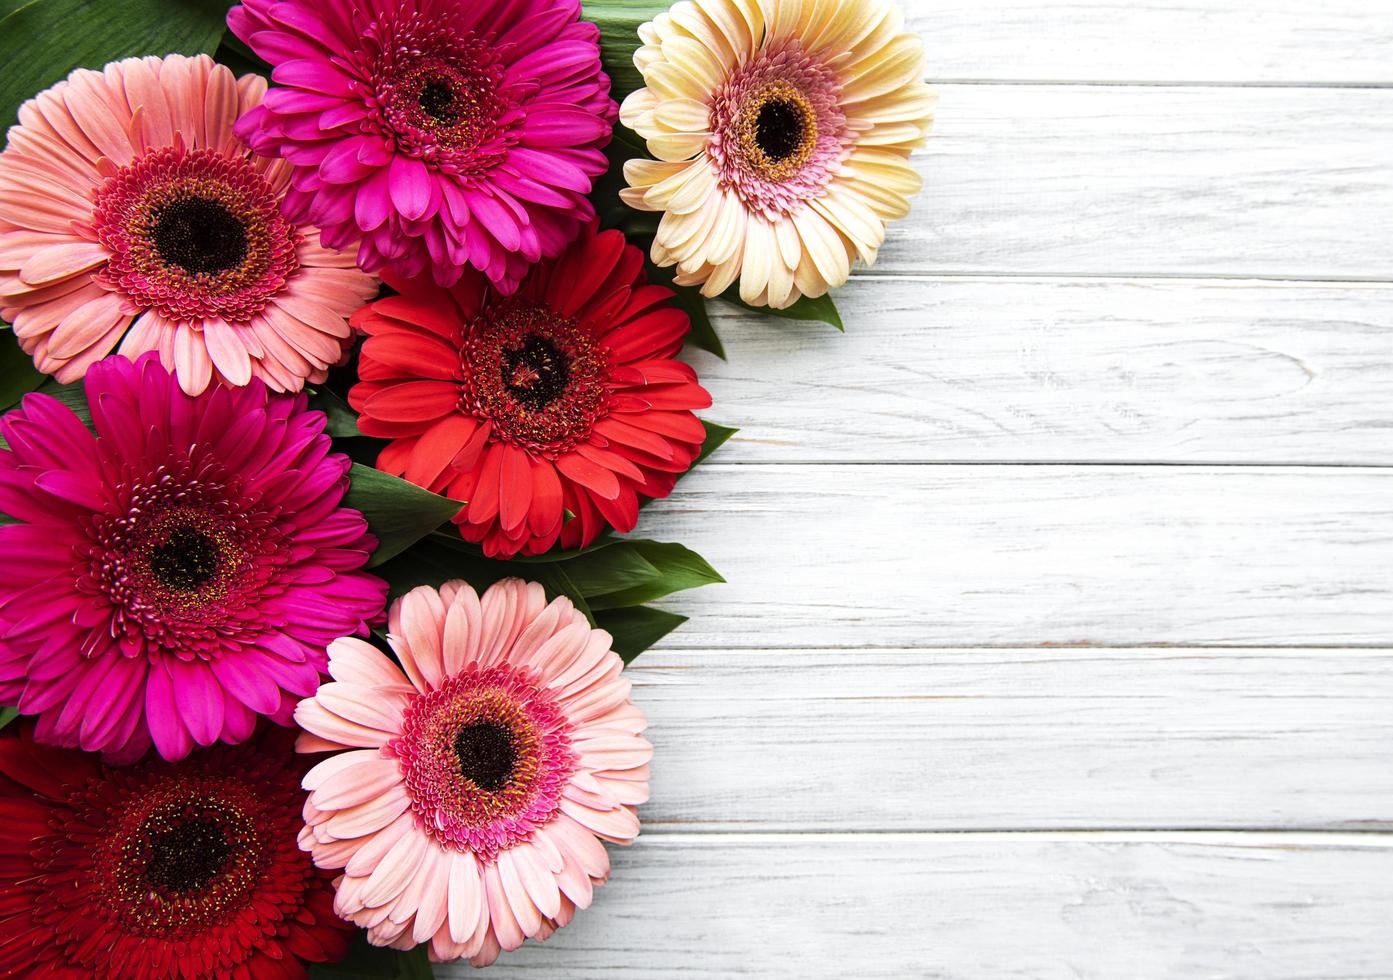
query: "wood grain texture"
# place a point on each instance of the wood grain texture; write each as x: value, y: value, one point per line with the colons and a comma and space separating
x: 1254, y: 906
x: 803, y: 740
x: 914, y: 556
x: 1219, y: 41
x: 1141, y: 181
x: 1004, y: 370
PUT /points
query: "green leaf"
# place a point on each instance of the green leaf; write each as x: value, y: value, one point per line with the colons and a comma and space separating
x: 606, y: 540
x: 619, y: 21
x: 609, y: 569
x: 430, y: 563
x: 8, y: 715
x: 240, y: 58
x: 435, y: 561
x: 17, y: 374
x: 398, y: 512
x: 343, y: 421
x: 679, y: 569
x: 368, y: 962
x: 635, y: 630
x: 42, y: 41
x: 716, y: 436
x: 806, y: 308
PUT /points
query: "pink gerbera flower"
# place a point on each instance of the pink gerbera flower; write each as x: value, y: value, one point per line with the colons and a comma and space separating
x: 441, y: 133
x: 469, y: 811
x: 130, y: 213
x: 178, y: 572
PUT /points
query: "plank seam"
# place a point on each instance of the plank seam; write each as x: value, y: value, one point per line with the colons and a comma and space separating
x: 1216, y: 277
x: 1162, y: 83
x: 1324, y: 838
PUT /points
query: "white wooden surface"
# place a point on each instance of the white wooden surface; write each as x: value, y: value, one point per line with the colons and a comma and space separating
x: 1058, y: 640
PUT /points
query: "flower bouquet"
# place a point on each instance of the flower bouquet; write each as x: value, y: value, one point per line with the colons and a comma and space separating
x: 344, y: 357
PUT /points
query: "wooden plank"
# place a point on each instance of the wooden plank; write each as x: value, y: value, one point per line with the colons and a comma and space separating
x: 1155, y: 40
x: 922, y: 556
x: 1002, y: 370
x: 798, y: 740
x: 1140, y: 181
x: 1260, y: 907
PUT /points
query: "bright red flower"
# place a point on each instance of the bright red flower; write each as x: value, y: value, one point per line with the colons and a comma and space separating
x: 161, y: 870
x: 561, y: 397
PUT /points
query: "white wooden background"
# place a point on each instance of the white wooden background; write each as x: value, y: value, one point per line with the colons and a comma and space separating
x: 1059, y: 633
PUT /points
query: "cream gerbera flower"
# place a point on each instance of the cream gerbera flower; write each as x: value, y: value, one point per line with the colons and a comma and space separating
x: 782, y: 131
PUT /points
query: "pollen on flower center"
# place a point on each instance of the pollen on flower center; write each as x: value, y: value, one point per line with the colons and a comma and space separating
x: 537, y: 376
x: 536, y: 373
x: 486, y: 754
x: 776, y: 132
x: 437, y: 100
x: 188, y: 856
x: 484, y: 758
x: 199, y: 235
x: 186, y: 561
x: 186, y: 852
x: 194, y: 234
x: 441, y: 105
x: 439, y: 94
x: 781, y: 128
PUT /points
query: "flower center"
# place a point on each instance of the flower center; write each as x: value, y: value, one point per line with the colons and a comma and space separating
x: 484, y: 759
x: 437, y: 100
x: 537, y: 376
x: 486, y: 754
x: 536, y: 373
x: 182, y: 556
x: 778, y: 132
x: 782, y: 128
x: 185, y: 853
x: 443, y: 104
x: 199, y: 235
x: 194, y: 234
x: 187, y: 560
x: 438, y: 92
x: 187, y: 857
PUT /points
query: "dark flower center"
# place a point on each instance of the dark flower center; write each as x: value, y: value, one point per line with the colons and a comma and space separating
x: 199, y: 236
x: 779, y: 129
x: 486, y: 754
x: 438, y: 100
x: 187, y: 857
x: 186, y: 561
x: 536, y: 373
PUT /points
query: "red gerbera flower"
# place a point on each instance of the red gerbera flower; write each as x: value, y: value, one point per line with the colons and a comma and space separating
x: 561, y: 397
x: 162, y: 870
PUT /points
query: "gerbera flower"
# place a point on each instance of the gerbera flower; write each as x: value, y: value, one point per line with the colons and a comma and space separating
x: 179, y: 572
x: 469, y: 810
x: 782, y: 130
x: 183, y: 870
x: 562, y: 397
x: 442, y: 133
x: 131, y: 213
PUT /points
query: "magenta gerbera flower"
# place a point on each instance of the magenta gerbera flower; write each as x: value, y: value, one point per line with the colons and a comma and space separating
x: 177, y: 573
x: 440, y: 133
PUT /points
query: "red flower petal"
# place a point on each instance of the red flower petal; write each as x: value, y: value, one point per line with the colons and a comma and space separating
x: 413, y: 401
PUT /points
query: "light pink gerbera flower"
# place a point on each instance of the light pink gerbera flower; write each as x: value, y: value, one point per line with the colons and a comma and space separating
x: 468, y: 813
x: 442, y: 133
x: 130, y: 213
x: 177, y: 573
